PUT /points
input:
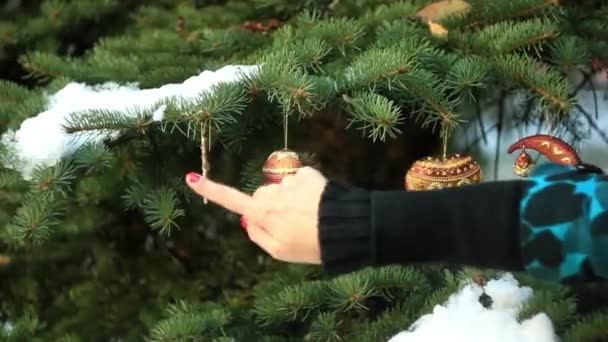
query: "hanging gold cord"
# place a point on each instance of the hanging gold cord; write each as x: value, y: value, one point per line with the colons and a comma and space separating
x: 285, y: 128
x: 205, y: 143
x: 445, y: 135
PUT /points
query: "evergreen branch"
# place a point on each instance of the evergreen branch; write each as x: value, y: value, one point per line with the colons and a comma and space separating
x: 556, y: 304
x: 468, y: 76
x: 351, y: 292
x: 144, y: 42
x: 308, y: 52
x: 285, y: 81
x: 450, y: 285
x: 386, y: 13
x: 104, y: 121
x: 287, y: 9
x: 375, y: 115
x: 393, y: 280
x: 234, y: 137
x: 23, y: 329
x: 94, y: 157
x: 251, y: 175
x: 163, y: 74
x: 9, y: 34
x: 569, y: 52
x: 590, y: 328
x: 33, y: 221
x: 388, y: 324
x: 277, y: 67
x: 53, y: 181
x: 552, y: 88
x: 437, y: 61
x: 326, y: 327
x: 535, y: 8
x: 11, y: 180
x: 45, y: 66
x: 436, y: 109
x: 103, y: 66
x: 487, y: 12
x: 181, y: 188
x: 95, y: 189
x: 305, y: 94
x: 377, y: 65
x: 187, y: 322
x: 135, y: 195
x: 341, y: 33
x: 70, y: 13
x: 69, y: 338
x: 507, y: 37
x: 12, y: 93
x: 291, y: 303
x: 13, y: 114
x: 229, y: 42
x: 217, y: 107
x: 311, y: 52
x: 161, y: 210
x: 406, y: 35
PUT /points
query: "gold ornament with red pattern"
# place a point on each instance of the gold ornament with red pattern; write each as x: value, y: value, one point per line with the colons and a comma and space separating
x: 433, y: 173
x: 280, y: 164
x: 523, y: 164
x: 553, y: 148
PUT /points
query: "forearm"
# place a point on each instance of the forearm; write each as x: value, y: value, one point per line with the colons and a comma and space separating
x: 553, y: 225
x: 475, y: 226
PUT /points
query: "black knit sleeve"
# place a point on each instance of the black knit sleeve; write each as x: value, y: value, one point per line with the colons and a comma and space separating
x: 345, y: 229
x: 472, y: 225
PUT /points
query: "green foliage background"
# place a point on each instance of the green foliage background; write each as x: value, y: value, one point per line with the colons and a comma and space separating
x: 110, y: 244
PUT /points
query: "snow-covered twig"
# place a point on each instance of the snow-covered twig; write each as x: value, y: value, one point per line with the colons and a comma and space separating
x: 41, y: 141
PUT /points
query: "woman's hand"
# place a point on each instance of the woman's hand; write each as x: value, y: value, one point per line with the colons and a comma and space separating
x: 280, y: 218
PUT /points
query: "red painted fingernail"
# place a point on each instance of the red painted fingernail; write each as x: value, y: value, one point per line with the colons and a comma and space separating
x: 244, y: 222
x: 193, y: 177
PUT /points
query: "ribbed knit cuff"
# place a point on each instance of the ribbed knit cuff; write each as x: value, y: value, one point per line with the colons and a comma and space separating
x: 345, y: 229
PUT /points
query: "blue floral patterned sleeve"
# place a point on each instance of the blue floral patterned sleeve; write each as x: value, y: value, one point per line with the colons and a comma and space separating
x: 564, y: 224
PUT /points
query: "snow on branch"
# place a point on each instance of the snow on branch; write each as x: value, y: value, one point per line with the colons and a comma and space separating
x: 42, y: 141
x: 464, y: 319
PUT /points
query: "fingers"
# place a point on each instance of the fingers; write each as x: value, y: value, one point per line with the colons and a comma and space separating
x: 266, y: 215
x: 266, y: 193
x: 220, y: 194
x: 262, y: 238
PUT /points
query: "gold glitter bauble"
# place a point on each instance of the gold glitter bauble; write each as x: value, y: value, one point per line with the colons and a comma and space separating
x: 432, y: 173
x: 279, y: 165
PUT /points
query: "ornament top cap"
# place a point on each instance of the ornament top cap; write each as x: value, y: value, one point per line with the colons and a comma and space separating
x: 284, y: 153
x: 449, y: 162
x: 448, y: 167
x: 282, y: 162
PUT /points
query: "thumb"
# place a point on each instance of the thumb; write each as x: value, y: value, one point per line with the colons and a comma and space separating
x: 220, y: 194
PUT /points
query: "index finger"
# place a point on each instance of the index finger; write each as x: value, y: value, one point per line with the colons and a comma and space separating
x: 222, y: 195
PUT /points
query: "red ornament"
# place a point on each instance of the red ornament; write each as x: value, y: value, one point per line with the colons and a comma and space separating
x: 553, y: 148
x: 523, y: 164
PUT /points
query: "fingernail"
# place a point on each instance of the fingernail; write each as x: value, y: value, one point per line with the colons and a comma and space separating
x: 244, y: 222
x: 193, y: 177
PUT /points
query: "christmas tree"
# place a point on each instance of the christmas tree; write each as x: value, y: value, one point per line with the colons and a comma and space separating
x: 106, y: 104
